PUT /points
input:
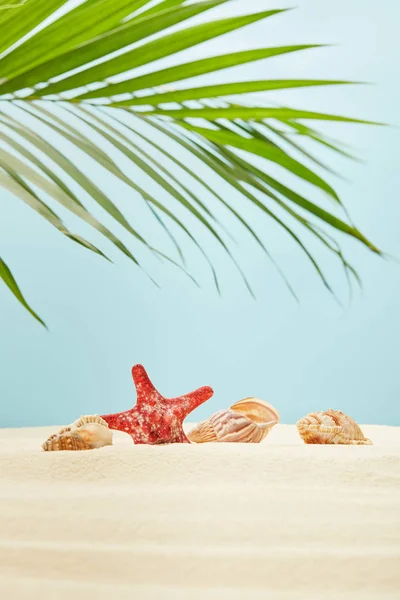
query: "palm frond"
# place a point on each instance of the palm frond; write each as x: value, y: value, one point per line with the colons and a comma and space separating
x: 89, y: 78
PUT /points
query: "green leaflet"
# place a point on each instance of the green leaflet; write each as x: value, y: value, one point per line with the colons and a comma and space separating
x: 272, y: 215
x: 26, y: 75
x: 155, y: 50
x: 171, y: 190
x: 164, y: 5
x: 13, y: 164
x: 287, y: 139
x: 245, y: 172
x: 90, y: 188
x: 225, y: 89
x: 86, y: 146
x: 12, y: 285
x: 19, y: 22
x: 62, y: 161
x: 81, y: 24
x: 268, y: 151
x: 180, y: 164
x: 314, y: 209
x: 19, y: 188
x: 303, y: 130
x: 110, y: 166
x: 149, y: 159
x: 190, y: 69
x: 230, y: 178
x: 253, y: 113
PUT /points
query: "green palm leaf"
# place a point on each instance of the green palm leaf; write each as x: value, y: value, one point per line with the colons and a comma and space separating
x: 72, y: 78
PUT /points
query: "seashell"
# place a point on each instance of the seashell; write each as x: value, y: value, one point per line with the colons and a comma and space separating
x: 65, y: 441
x: 86, y: 433
x: 257, y: 410
x: 330, y: 427
x: 247, y: 421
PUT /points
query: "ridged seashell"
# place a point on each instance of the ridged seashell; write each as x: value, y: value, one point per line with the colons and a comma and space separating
x: 247, y: 421
x: 86, y: 433
x: 330, y: 427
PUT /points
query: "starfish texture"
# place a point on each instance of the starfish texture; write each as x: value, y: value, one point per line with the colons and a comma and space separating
x: 155, y: 419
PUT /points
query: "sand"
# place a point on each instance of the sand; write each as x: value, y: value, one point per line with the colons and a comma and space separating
x: 277, y: 520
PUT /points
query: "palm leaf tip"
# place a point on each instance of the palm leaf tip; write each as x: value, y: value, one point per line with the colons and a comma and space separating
x: 357, y: 234
x: 9, y: 280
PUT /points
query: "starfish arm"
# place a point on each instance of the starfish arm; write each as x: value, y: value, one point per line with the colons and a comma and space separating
x: 122, y: 421
x: 112, y: 420
x: 143, y: 385
x: 185, y: 404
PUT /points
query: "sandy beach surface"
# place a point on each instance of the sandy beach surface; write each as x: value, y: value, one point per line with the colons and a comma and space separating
x: 278, y: 520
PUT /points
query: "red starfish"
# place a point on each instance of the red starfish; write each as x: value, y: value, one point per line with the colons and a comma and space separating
x: 155, y: 419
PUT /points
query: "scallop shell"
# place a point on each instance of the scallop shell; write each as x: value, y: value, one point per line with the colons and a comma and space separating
x: 330, y: 427
x: 247, y: 421
x: 86, y: 433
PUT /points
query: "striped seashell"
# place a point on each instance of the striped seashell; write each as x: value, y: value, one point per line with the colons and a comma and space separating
x: 65, y: 441
x: 247, y: 421
x: 86, y: 433
x: 330, y: 427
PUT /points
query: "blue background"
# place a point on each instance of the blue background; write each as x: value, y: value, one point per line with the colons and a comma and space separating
x: 103, y: 318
